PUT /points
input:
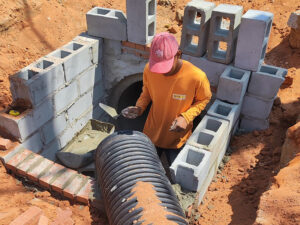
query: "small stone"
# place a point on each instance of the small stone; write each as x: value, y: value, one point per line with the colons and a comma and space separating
x: 241, y: 170
x: 173, y: 29
x: 226, y: 159
x: 219, y: 171
x: 210, y: 207
x: 221, y: 166
x: 277, y: 101
x: 179, y: 16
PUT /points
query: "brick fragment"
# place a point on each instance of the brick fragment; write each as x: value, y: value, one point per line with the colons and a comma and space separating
x: 140, y: 47
x: 17, y: 159
x: 128, y: 44
x: 5, y: 144
x: 63, y: 217
x: 43, y: 220
x: 31, y: 216
x: 84, y: 194
x: 50, y: 175
x: 75, y: 186
x: 65, y: 178
x: 36, y: 172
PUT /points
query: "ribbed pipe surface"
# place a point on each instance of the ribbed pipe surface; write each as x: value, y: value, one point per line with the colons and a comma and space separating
x: 123, y: 159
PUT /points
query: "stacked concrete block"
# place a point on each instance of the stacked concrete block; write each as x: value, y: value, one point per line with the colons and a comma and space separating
x: 38, y: 80
x: 141, y: 20
x: 252, y: 41
x: 195, y: 27
x: 191, y: 167
x: 107, y: 23
x: 212, y: 70
x: 266, y: 81
x: 251, y: 123
x: 210, y: 134
x: 225, y: 111
x: 222, y: 34
x: 233, y: 85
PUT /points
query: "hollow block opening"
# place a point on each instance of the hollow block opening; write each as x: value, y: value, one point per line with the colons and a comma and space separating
x: 151, y: 8
x: 204, y: 138
x: 28, y: 74
x: 213, y: 125
x: 102, y: 11
x: 236, y: 74
x: 219, y: 49
x: 222, y: 110
x: 267, y: 69
x: 197, y: 19
x: 222, y: 25
x: 151, y: 30
x: 194, y: 158
x: 44, y: 64
x: 263, y: 52
x: 74, y: 46
x: 61, y: 54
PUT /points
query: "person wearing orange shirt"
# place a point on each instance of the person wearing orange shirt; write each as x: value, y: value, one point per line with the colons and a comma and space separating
x: 178, y: 90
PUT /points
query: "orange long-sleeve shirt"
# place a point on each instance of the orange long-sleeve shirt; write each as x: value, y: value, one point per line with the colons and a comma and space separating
x: 185, y: 93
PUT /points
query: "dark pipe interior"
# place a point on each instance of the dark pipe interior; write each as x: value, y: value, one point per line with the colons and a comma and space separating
x: 129, y: 98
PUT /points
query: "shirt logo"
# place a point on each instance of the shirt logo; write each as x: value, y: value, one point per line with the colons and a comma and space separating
x: 179, y: 97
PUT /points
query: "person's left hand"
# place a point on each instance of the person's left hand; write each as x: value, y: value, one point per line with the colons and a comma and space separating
x: 179, y: 124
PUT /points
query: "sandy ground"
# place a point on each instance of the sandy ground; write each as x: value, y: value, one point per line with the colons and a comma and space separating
x: 30, y: 29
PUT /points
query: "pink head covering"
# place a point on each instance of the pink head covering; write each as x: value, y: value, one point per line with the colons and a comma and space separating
x: 162, y: 51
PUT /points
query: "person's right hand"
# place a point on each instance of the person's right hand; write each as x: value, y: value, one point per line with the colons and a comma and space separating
x: 131, y: 112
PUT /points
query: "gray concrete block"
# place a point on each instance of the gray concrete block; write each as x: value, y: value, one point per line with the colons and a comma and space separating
x: 257, y: 107
x: 79, y: 107
x: 225, y: 111
x: 37, y: 81
x: 83, y: 120
x: 112, y: 47
x: 233, y: 85
x: 107, y: 23
x: 213, y: 70
x: 88, y: 79
x: 250, y: 124
x: 95, y: 42
x: 75, y: 57
x: 196, y: 26
x: 224, y: 28
x: 98, y: 93
x: 209, y: 134
x: 65, y: 97
x: 66, y: 136
x: 50, y: 150
x: 34, y: 142
x: 266, y: 81
x: 191, y: 167
x: 252, y: 39
x: 141, y: 20
x: 54, y: 128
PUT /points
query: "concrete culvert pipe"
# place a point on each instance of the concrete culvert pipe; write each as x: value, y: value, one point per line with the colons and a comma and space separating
x: 133, y: 183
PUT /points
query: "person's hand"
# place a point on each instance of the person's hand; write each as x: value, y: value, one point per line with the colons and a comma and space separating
x: 179, y: 124
x: 131, y: 112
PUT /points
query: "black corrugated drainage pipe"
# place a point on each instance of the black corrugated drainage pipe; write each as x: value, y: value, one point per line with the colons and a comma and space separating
x: 133, y: 183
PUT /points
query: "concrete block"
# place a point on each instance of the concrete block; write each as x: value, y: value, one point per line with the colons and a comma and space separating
x: 82, y: 120
x: 50, y: 150
x: 89, y: 78
x: 190, y: 167
x: 252, y: 39
x: 196, y: 26
x: 213, y: 70
x: 266, y: 81
x: 54, y: 128
x: 233, y: 85
x: 95, y: 42
x: 66, y: 136
x: 209, y: 133
x: 225, y: 111
x: 34, y: 142
x: 79, y: 107
x: 141, y: 20
x: 98, y: 92
x: 250, y: 124
x: 65, y: 97
x: 257, y: 107
x: 75, y: 57
x: 224, y: 28
x: 37, y: 81
x: 107, y: 23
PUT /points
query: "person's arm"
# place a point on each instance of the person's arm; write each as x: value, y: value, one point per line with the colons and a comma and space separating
x: 202, y: 97
x: 144, y: 98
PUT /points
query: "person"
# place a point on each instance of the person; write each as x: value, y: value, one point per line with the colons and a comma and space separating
x: 178, y: 90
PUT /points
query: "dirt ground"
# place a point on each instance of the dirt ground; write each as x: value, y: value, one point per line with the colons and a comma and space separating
x: 30, y: 29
